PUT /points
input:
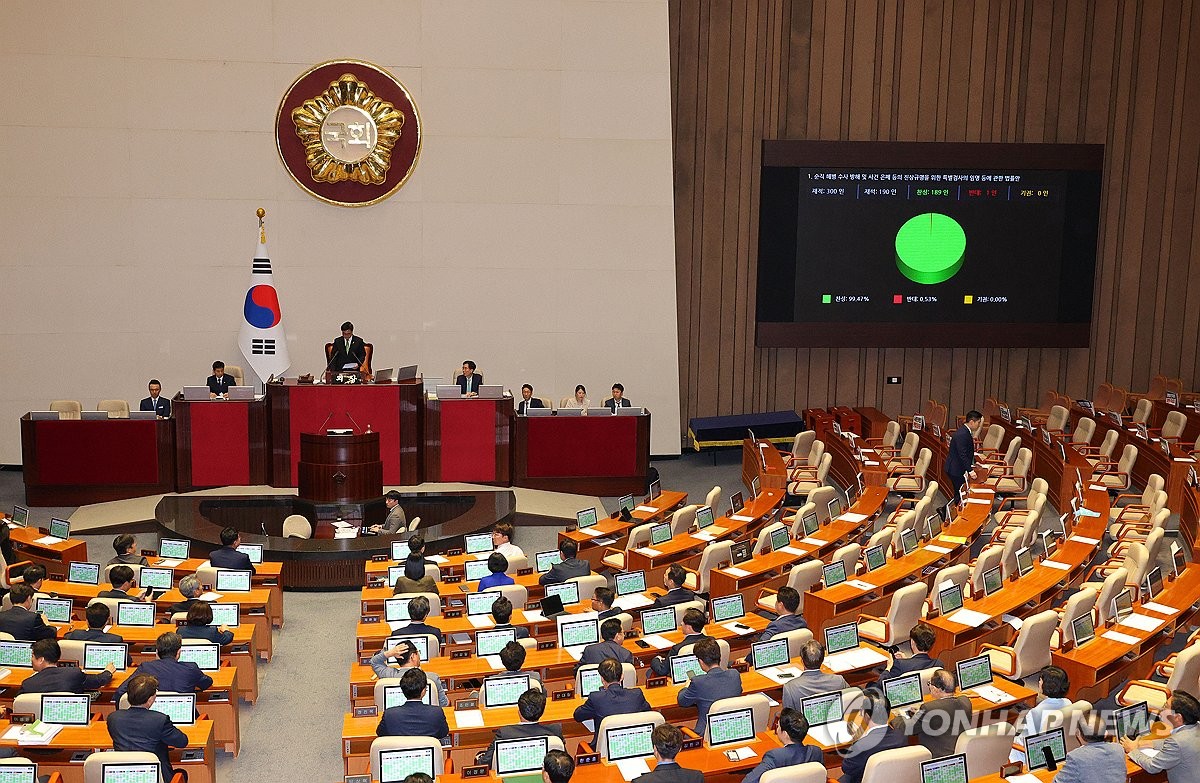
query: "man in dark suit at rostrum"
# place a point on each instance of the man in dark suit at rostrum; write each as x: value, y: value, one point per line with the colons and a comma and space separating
x: 413, y: 718
x: 349, y: 351
x: 613, y: 698
x: 49, y: 677
x: 470, y: 381
x: 21, y: 623
x: 693, y: 631
x: 219, y: 383
x: 530, y: 706
x: 144, y: 729
x: 172, y: 674
x: 676, y: 593
x: 527, y: 400
x: 570, y: 567
x: 228, y: 556
x: 160, y: 405
x: 920, y: 642
x: 961, y: 457
x: 667, y: 741
x: 609, y: 645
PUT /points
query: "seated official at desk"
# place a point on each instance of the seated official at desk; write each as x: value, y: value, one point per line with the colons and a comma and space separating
x: 668, y: 741
x: 407, y: 657
x: 97, y: 616
x: 609, y: 646
x: 693, y: 631
x: 189, y: 588
x: 502, y: 541
x: 938, y: 722
x: 602, y: 602
x: 1179, y: 753
x: 498, y: 566
x: 579, y: 399
x: 617, y: 400
x: 172, y: 674
x: 676, y: 593
x: 792, y: 730
x: 160, y: 405
x: 395, y: 522
x: 570, y: 567
x: 143, y: 729
x: 34, y: 575
x: 512, y: 657
x: 527, y: 400
x: 415, y: 579
x: 502, y: 609
x: 613, y: 698
x: 219, y: 382
x: 530, y: 706
x: 125, y: 546
x: 122, y: 579
x: 920, y: 642
x: 49, y: 677
x: 349, y: 351
x: 1053, y: 687
x: 787, y: 599
x: 877, y: 736
x: 470, y: 381
x: 228, y: 556
x: 712, y: 684
x: 21, y: 623
x: 557, y: 767
x: 418, y: 610
x: 1096, y: 759
x: 413, y: 718
x: 812, y: 681
x: 199, y: 626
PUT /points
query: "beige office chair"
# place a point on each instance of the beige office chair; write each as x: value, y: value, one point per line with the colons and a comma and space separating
x: 1085, y: 430
x: 682, y: 519
x: 638, y: 537
x: 1031, y: 651
x: 713, y: 555
x: 1134, y: 504
x: 516, y: 563
x: 812, y: 772
x: 762, y: 544
x: 67, y: 409
x: 71, y: 650
x: 803, y: 483
x: 889, y: 439
x: 820, y: 497
x: 381, y: 744
x: 588, y: 584
x: 802, y: 577
x: 111, y: 603
x: 1137, y: 523
x: 1016, y: 521
x: 908, y: 481
x: 796, y: 639
x: 381, y: 686
x: 987, y: 748
x: 93, y: 765
x: 988, y: 559
x: 724, y: 645
x: 900, y: 764
x: 628, y: 675
x: 1000, y: 463
x: 1116, y: 476
x: 1102, y: 453
x: 413, y: 524
x: 958, y: 575
x: 758, y: 704
x: 907, y: 453
x: 1172, y: 428
x: 1081, y: 602
x: 882, y: 537
x: 681, y: 610
x: 1142, y: 411
x: 1153, y: 537
x: 297, y: 526
x: 993, y: 438
x: 236, y: 372
x: 1184, y: 676
x: 903, y: 505
x: 117, y: 409
x: 1068, y: 720
x: 518, y: 594
x: 1136, y: 563
x: 1014, y: 478
x: 713, y: 499
x: 1058, y: 418
x: 620, y: 721
x: 435, y: 602
x: 137, y: 571
x: 801, y: 447
x: 1110, y: 588
x: 903, y: 613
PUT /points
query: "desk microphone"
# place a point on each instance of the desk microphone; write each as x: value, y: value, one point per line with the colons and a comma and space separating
x: 327, y: 418
x: 352, y: 421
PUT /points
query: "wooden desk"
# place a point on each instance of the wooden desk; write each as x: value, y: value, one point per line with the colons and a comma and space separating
x: 874, y: 421
x: 1132, y: 772
x: 54, y: 557
x: 469, y: 440
x: 587, y: 455
x: 268, y: 576
x: 1158, y: 417
x: 254, y: 608
x: 1151, y: 458
x: 220, y: 443
x: 763, y: 461
x: 239, y: 653
x: 56, y: 756
x: 664, y: 505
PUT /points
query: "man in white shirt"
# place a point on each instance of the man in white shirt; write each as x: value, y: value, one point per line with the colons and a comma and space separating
x: 502, y: 535
x: 1052, y: 687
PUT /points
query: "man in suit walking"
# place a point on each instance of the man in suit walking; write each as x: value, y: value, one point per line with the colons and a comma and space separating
x: 613, y: 698
x: 812, y: 681
x: 21, y: 623
x: 920, y: 642
x: 227, y: 555
x: 530, y: 706
x: 713, y: 684
x: 141, y: 728
x: 168, y: 671
x: 1179, y: 753
x: 792, y: 730
x: 962, y: 453
x: 693, y: 631
x: 160, y: 405
x: 349, y: 351
x: 413, y: 718
x: 219, y: 382
x: 527, y: 400
x: 1096, y: 759
x: 609, y: 646
x: 667, y: 741
x: 48, y: 676
x: 570, y: 567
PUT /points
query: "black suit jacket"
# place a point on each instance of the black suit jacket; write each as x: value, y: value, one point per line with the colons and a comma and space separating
x: 612, y: 404
x: 524, y: 405
x: 209, y: 633
x: 661, y: 664
x: 25, y: 625
x: 567, y: 569
x: 416, y: 629
x: 220, y: 385
x: 413, y: 719
x: 613, y: 700
x: 64, y: 678
x: 607, y: 613
x: 962, y: 454
x: 914, y: 663
x: 138, y: 728
x: 93, y: 635
x: 522, y: 631
x: 341, y: 357
x: 595, y: 653
x: 475, y: 382
x: 173, y: 675
x: 228, y: 557
x: 680, y: 595
x: 670, y: 772
x: 163, y: 408
x: 519, y: 731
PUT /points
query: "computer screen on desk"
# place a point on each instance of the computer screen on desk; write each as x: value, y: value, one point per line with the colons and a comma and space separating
x: 229, y: 615
x: 174, y: 549
x: 568, y: 592
x: 97, y: 655
x: 55, y: 610
x: 728, y: 607
x: 950, y: 599
x: 477, y: 543
x: 396, y: 765
x: 232, y: 581
x: 780, y: 538
x: 66, y: 710
x: 903, y: 690
x: 575, y: 633
x: 660, y: 534
x: 841, y: 637
x: 811, y: 523
x: 950, y: 769
x: 973, y: 672
x: 60, y: 528
x: 684, y: 667
x: 135, y: 613
x: 475, y: 570
x: 822, y: 708
x: 629, y: 742
x: 207, y: 656
x: 491, y: 641
x: 834, y: 573
x: 479, y: 604
x: 253, y: 551
x: 516, y: 756
x: 773, y: 652
x: 16, y: 654
x: 131, y: 772
x: 585, y: 518
x: 543, y: 561
x: 18, y: 773
x: 396, y: 609
x: 1036, y: 746
x: 400, y: 550
x: 502, y: 691
x: 704, y: 517
x: 631, y: 582
x: 728, y: 727
x: 20, y: 516
x: 179, y: 707
x: 656, y: 621
x: 156, y: 578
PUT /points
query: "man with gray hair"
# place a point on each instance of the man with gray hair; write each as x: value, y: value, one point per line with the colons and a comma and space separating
x: 812, y: 680
x: 940, y: 720
x: 190, y: 587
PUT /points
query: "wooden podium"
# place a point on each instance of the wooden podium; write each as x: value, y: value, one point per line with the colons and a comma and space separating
x: 340, y: 468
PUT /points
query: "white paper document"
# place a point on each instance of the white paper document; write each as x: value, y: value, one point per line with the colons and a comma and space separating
x: 1143, y: 622
x: 1098, y: 487
x: 534, y: 616
x: 969, y: 618
x: 437, y: 558
x: 734, y: 571
x: 703, y: 536
x: 1084, y: 540
x: 658, y: 642
x: 591, y: 532
x: 814, y: 541
x: 1056, y: 564
x: 980, y: 501
x: 780, y: 674
x: 870, y: 462
x: 740, y: 754
x: 941, y: 550
x: 631, y: 769
x: 494, y: 661
x: 853, y: 518
x: 1123, y: 638
x: 647, y: 551
x: 169, y: 563
x: 632, y: 601
x: 791, y: 550
x: 575, y: 652
x: 647, y: 509
x: 742, y: 518
x: 858, y: 658
x: 1161, y: 609
x: 737, y: 628
x: 468, y: 719
x: 481, y: 621
x: 209, y: 596
x: 49, y: 540
x: 860, y: 584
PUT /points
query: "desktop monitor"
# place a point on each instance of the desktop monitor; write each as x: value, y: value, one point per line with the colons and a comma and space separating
x: 520, y: 756
x: 157, y: 578
x: 20, y: 516
x: 629, y: 742
x: 740, y: 552
x: 396, y: 609
x: 586, y: 518
x: 229, y: 615
x: 477, y: 543
x: 544, y: 561
x: 755, y: 486
x: 841, y: 637
x: 655, y: 489
x: 254, y: 551
x: 207, y: 656
x: 1153, y: 584
x: 174, y: 549
x: 400, y: 550
x: 503, y: 690
x: 589, y: 681
x: 810, y: 523
x: 66, y: 710
x: 822, y: 708
x: 83, y: 573
x: 660, y: 534
x: 19, y: 654
x: 993, y: 580
x: 933, y: 526
x: 18, y: 773
x: 834, y: 573
x: 950, y: 599
x: 135, y: 613
x: 475, y: 570
x: 903, y: 690
x: 973, y: 672
x: 491, y: 641
x: 1083, y: 629
x: 729, y: 727
x: 567, y: 591
x: 835, y: 508
x: 131, y: 772
x: 908, y: 542
x: 479, y: 604
x: 780, y: 538
x: 631, y: 582
x: 396, y: 765
x: 1024, y: 561
x: 875, y: 557
x: 1132, y: 721
x: 948, y: 769
x: 1123, y: 604
x: 419, y: 641
x: 576, y: 633
x: 393, y: 696
x: 1178, y: 560
x: 232, y: 581
x: 773, y: 652
x: 397, y: 571
x: 728, y: 607
x: 97, y: 655
x: 1049, y: 544
x: 55, y: 610
x: 684, y: 667
x: 657, y: 621
x: 60, y: 528
x: 704, y: 517
x: 736, y: 503
x: 627, y: 503
x: 179, y: 707
x: 1036, y: 746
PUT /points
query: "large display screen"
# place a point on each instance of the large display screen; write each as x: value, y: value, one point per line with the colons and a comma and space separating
x: 911, y: 244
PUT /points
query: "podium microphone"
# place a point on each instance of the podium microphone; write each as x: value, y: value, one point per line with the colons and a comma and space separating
x: 352, y: 421
x: 327, y: 418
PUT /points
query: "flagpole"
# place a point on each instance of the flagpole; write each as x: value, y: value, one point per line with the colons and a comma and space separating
x: 262, y: 229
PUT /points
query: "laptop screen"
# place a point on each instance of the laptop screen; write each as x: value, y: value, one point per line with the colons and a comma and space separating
x: 156, y: 578
x: 255, y: 551
x: 950, y: 769
x: 903, y: 690
x: 396, y: 765
x: 396, y: 609
x: 627, y: 503
x: 629, y: 742
x: 18, y: 773
x: 704, y: 517
x: 397, y: 571
x: 841, y: 637
x: 770, y: 653
x: 1083, y: 630
x: 400, y: 550
x: 631, y: 582
x: 660, y: 534
x: 950, y: 599
x: 780, y: 538
x: 544, y: 560
x: 683, y: 667
x: 130, y: 773
x: 207, y: 656
x: 179, y: 707
x: 575, y: 633
x: 479, y: 604
x: 65, y: 710
x: 20, y: 516
x: 228, y: 615
x: 503, y: 691
x: 875, y: 557
x: 1037, y: 744
x: 974, y: 672
x: 97, y: 655
x: 755, y: 486
x: 16, y: 654
x: 1123, y: 604
x: 56, y: 610
x: 60, y: 528
x: 810, y: 522
x: 1154, y: 582
x: 993, y: 580
x: 491, y: 641
x: 516, y: 756
x: 655, y: 489
x: 586, y: 518
x: 230, y: 581
x: 725, y: 728
x: 174, y: 549
x: 822, y: 708
x: 834, y: 573
x: 478, y: 542
x: 658, y: 620
x: 476, y: 570
x: 589, y: 681
x: 567, y: 591
x: 727, y: 607
x: 135, y: 613
x: 835, y: 508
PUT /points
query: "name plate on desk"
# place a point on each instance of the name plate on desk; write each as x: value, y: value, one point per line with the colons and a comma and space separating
x: 583, y: 759
x: 366, y: 712
x: 456, y: 655
x: 656, y: 682
x: 473, y: 771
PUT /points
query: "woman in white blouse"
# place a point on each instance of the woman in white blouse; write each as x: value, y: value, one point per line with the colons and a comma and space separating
x: 580, y: 400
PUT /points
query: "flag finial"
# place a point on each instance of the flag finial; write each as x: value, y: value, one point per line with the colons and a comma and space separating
x: 262, y: 230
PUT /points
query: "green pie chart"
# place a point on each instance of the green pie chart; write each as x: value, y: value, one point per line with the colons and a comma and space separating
x: 930, y: 248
